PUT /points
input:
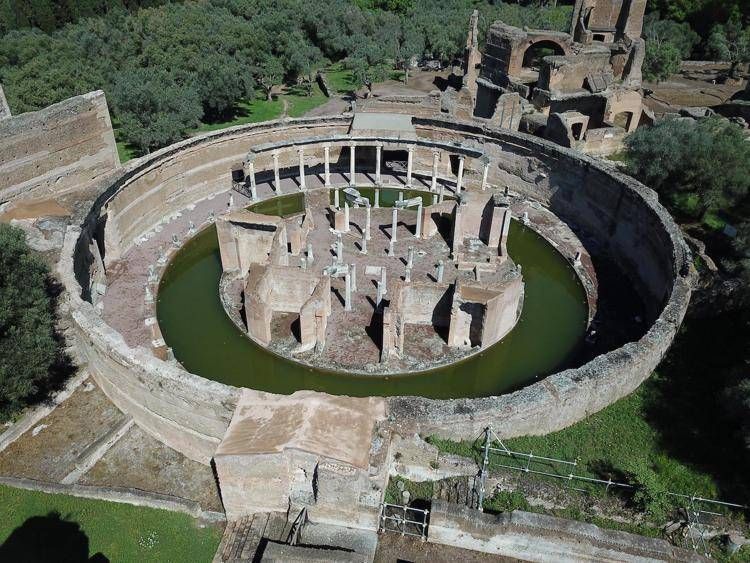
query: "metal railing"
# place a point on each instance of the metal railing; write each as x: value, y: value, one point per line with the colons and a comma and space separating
x: 396, y: 518
x: 695, y: 529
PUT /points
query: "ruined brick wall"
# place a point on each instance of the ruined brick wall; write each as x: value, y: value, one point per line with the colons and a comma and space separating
x: 59, y: 149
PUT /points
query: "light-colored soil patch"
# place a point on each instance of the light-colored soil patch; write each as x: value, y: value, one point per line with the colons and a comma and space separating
x: 61, y: 437
x: 139, y: 461
x: 32, y: 209
x: 689, y: 89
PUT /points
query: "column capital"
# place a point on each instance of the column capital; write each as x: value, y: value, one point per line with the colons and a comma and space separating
x: 436, y: 151
x: 462, y: 157
x: 249, y: 158
x: 300, y: 148
x: 411, y: 147
x: 275, y: 154
x: 327, y: 146
x: 352, y: 143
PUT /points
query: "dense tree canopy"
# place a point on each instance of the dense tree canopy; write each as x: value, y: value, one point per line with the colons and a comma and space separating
x: 696, y: 166
x: 730, y: 42
x: 211, y: 54
x: 27, y: 344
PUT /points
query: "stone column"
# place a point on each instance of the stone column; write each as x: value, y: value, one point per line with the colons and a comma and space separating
x: 378, y: 156
x: 276, y: 178
x: 377, y: 198
x: 418, y: 230
x: 379, y: 296
x: 348, y: 296
x: 327, y: 165
x: 435, y: 157
x: 301, y: 152
x: 409, y: 164
x: 250, y: 173
x: 367, y: 225
x: 339, y: 249
x: 460, y: 175
x: 442, y: 192
x: 364, y: 243
x: 485, y: 171
x: 410, y: 258
x: 346, y: 216
x: 353, y: 274
x: 310, y: 252
x: 336, y: 198
x: 352, y: 163
x: 440, y: 271
x: 383, y: 280
x: 394, y: 223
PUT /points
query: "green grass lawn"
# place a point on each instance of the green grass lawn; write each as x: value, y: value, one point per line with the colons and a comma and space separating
x: 299, y: 103
x: 126, y: 151
x: 618, y: 438
x: 120, y: 532
x: 676, y: 428
x: 253, y: 111
x: 340, y: 79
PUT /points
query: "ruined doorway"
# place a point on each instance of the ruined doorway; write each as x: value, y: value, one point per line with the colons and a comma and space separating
x: 486, y: 102
x: 577, y: 130
x: 623, y: 119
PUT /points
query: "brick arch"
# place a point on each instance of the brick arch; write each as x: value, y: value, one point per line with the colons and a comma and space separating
x: 558, y: 47
x: 560, y: 42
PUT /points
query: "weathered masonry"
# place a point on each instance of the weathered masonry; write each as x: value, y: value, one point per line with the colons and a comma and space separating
x: 193, y: 415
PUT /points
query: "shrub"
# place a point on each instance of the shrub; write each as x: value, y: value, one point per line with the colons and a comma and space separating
x: 27, y: 341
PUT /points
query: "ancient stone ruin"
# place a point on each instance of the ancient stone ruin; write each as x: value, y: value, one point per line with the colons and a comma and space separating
x: 413, y: 284
x: 580, y: 89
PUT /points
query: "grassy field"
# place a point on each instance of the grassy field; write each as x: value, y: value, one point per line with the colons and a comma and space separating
x: 675, y: 431
x: 340, y: 79
x: 254, y: 111
x: 299, y: 103
x: 41, y: 527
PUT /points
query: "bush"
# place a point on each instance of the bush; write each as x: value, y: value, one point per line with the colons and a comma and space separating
x: 505, y: 501
x: 27, y: 341
x: 650, y: 496
x: 707, y: 159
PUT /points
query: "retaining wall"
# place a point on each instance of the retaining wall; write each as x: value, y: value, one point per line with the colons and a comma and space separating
x: 61, y: 148
x: 190, y: 414
x: 537, y: 537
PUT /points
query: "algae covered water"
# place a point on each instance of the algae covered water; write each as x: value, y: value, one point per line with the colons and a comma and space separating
x: 207, y: 343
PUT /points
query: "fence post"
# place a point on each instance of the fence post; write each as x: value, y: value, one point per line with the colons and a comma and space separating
x: 483, y: 470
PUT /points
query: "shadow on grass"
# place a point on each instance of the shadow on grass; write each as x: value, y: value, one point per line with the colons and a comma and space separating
x: 691, y: 404
x: 49, y: 539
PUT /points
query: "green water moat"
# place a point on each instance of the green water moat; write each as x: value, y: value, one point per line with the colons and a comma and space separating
x: 545, y: 339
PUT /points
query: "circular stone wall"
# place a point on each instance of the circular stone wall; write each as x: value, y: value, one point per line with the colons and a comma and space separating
x: 617, y: 218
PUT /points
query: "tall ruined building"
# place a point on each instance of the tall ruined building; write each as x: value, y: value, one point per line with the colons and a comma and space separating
x: 580, y: 89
